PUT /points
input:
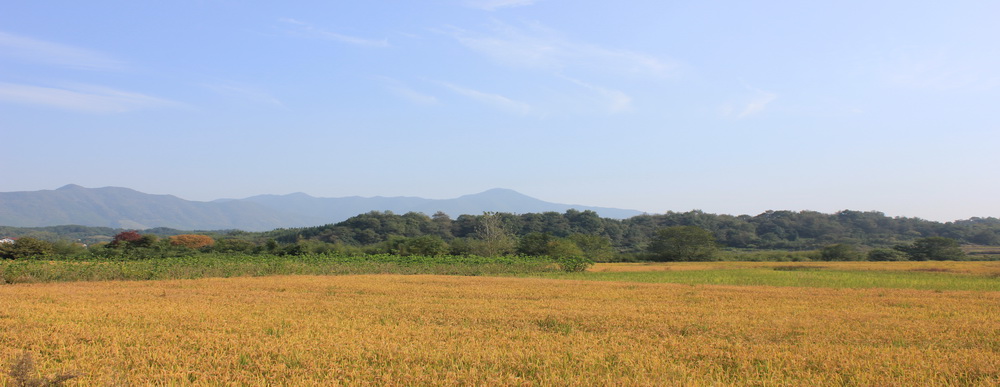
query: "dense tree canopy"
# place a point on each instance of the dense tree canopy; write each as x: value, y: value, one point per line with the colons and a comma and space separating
x: 869, y: 234
x: 24, y: 248
x: 933, y: 248
x: 683, y: 243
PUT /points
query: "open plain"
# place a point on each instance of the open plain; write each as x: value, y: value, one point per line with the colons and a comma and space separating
x: 452, y: 330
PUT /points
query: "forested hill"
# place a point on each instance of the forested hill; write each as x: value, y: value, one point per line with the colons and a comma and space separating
x: 769, y: 230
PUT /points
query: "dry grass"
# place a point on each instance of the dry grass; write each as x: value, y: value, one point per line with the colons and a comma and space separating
x: 440, y: 330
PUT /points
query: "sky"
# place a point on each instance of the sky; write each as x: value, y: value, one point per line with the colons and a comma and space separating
x: 729, y: 107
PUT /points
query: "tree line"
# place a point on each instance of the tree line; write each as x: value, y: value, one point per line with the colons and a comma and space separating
x: 845, y: 235
x: 771, y: 230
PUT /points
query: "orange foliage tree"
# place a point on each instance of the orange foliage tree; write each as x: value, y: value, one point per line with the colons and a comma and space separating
x: 192, y: 241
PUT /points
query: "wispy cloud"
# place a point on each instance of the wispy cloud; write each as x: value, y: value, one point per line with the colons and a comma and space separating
x: 49, y: 53
x: 754, y: 102
x: 303, y: 29
x: 757, y: 104
x: 246, y: 92
x: 81, y: 98
x: 493, y: 5
x: 614, y: 101
x: 494, y: 100
x: 403, y: 91
x: 535, y: 46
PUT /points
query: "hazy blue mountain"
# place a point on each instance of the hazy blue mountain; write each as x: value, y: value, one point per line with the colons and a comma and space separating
x: 497, y: 199
x: 127, y: 208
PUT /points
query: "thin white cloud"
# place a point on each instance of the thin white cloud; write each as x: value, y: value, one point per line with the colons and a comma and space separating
x: 81, y: 98
x: 304, y: 29
x: 403, y: 91
x: 538, y: 47
x: 614, y: 101
x: 494, y: 100
x: 755, y: 102
x: 493, y: 5
x: 246, y: 92
x: 40, y: 51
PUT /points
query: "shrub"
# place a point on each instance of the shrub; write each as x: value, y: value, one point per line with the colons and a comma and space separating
x: 574, y: 264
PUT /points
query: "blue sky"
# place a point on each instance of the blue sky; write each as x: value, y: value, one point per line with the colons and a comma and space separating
x: 725, y: 106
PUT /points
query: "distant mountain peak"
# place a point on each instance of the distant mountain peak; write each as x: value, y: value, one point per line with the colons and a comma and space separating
x: 497, y: 192
x: 125, y: 207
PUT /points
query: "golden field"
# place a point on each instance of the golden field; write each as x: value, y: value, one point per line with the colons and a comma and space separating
x: 447, y: 330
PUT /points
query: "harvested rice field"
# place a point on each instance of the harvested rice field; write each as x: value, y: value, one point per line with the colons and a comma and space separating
x: 454, y: 330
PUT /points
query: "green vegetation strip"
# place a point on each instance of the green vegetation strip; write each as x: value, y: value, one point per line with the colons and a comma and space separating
x: 853, y: 279
x: 236, y: 265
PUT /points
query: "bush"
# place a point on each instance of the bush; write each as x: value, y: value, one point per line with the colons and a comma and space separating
x: 574, y: 264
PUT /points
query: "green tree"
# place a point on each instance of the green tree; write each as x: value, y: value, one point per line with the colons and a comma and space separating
x: 564, y: 248
x: 66, y: 248
x: 441, y: 223
x: 25, y: 247
x: 840, y: 252
x: 543, y: 244
x: 683, y: 243
x: 595, y: 247
x: 933, y: 248
x: 493, y: 237
x: 430, y: 245
x: 534, y: 244
x: 232, y: 245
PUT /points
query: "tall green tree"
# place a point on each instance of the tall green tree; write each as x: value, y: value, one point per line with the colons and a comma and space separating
x: 25, y: 247
x: 494, y: 239
x: 595, y: 247
x: 683, y: 243
x: 933, y: 248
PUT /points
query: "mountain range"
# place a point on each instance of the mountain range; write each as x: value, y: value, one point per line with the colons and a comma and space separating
x: 127, y: 208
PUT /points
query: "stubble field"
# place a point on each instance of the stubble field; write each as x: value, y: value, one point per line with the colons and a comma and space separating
x: 450, y: 330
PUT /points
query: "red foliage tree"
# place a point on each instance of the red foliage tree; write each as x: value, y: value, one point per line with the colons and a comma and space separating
x: 124, y: 238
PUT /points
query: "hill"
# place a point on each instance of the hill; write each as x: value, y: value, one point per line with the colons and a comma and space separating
x: 495, y: 200
x: 118, y: 207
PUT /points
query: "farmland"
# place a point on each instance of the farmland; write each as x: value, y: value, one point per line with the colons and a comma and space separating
x: 394, y: 329
x: 937, y: 275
